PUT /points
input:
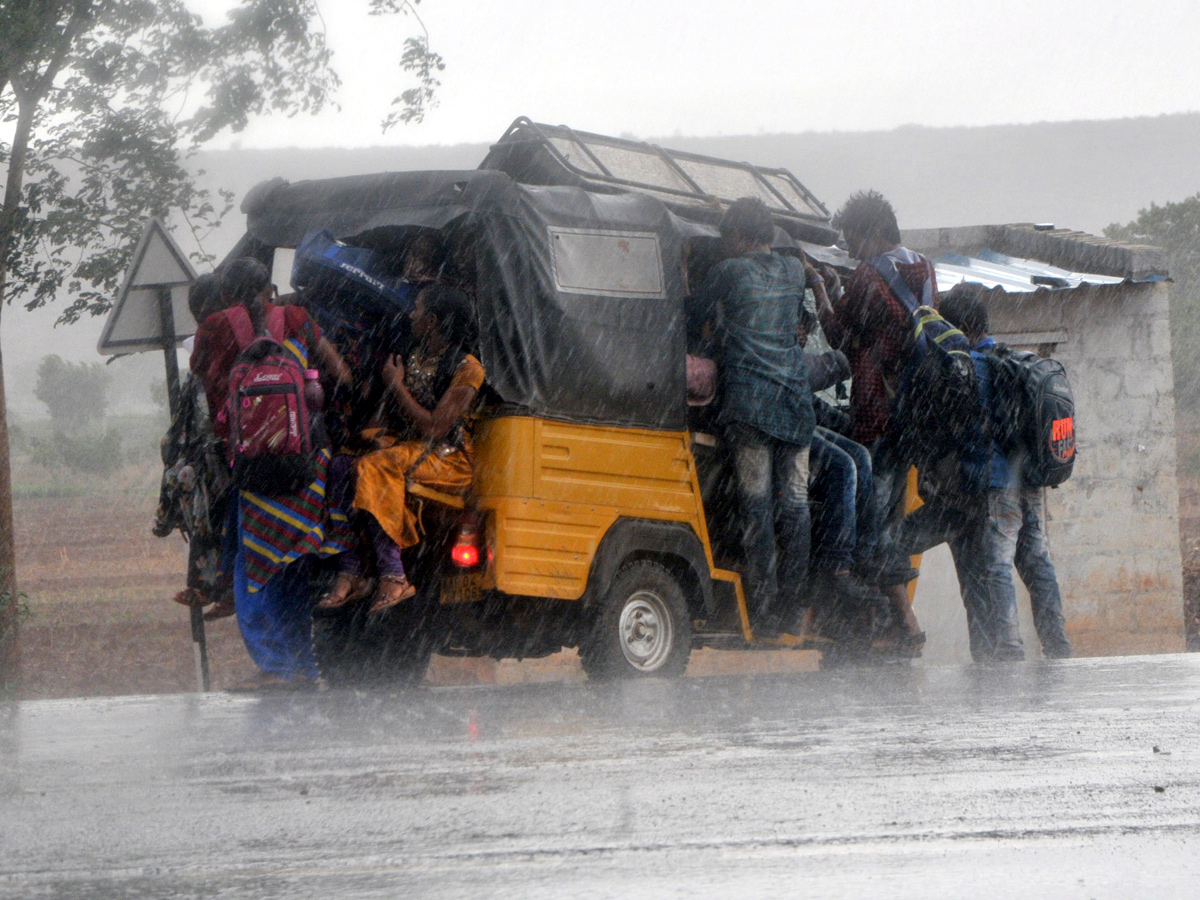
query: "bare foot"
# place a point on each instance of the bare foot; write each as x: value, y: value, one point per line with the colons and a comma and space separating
x: 221, y: 609
x: 897, y: 595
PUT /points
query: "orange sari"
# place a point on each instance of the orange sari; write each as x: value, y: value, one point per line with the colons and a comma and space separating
x: 382, y: 475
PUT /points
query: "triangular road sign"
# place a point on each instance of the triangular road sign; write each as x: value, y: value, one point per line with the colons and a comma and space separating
x: 136, y: 322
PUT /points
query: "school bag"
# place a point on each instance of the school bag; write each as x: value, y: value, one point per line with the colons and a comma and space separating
x: 1036, y: 413
x: 936, y: 405
x: 271, y: 446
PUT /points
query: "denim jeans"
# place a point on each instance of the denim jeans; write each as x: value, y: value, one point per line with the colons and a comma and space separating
x: 889, y: 476
x: 1001, y: 531
x: 840, y: 481
x: 1032, y: 559
x: 991, y: 614
x: 772, y: 480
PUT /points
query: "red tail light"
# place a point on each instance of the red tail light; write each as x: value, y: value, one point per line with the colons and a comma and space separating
x: 465, y: 556
x: 466, y: 552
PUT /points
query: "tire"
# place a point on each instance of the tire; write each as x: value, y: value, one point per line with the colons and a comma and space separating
x: 642, y: 626
x: 392, y: 650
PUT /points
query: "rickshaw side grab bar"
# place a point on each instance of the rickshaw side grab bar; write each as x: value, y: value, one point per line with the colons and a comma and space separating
x: 417, y: 489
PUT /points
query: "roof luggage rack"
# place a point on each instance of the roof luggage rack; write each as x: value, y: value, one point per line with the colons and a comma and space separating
x: 693, y: 185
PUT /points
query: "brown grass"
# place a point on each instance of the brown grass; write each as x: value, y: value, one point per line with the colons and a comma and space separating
x: 99, y: 584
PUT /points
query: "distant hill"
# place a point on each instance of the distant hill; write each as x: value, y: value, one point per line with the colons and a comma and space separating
x: 1082, y: 175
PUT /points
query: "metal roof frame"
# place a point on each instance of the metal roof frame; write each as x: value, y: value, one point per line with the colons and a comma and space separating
x: 524, y: 130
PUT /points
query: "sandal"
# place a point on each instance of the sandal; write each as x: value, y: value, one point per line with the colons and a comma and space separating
x: 191, y: 597
x: 346, y: 589
x: 392, y: 591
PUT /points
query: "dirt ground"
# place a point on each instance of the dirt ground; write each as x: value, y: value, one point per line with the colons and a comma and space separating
x: 101, y: 622
x: 100, y: 616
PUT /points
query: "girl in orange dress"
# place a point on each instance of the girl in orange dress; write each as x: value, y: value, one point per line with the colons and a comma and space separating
x: 422, y: 437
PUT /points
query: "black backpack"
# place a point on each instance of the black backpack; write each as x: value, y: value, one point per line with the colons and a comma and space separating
x: 936, y: 405
x: 1035, y: 413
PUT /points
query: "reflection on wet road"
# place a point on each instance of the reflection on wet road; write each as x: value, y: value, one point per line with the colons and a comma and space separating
x: 1076, y: 779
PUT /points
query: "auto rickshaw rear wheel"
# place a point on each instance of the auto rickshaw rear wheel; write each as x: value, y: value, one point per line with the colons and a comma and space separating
x: 641, y: 627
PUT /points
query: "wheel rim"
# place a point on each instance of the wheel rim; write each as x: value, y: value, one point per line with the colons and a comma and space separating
x: 646, y: 631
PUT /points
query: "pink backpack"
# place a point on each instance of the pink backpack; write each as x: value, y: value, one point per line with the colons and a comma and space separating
x: 271, y: 445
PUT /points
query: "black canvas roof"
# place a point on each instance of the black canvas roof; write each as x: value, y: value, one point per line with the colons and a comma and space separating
x: 580, y: 294
x: 280, y: 214
x: 580, y: 290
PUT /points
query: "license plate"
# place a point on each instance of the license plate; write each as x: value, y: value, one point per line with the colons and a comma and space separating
x: 466, y: 588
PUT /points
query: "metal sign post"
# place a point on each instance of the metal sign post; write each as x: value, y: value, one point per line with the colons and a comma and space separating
x: 152, y: 301
x: 171, y: 359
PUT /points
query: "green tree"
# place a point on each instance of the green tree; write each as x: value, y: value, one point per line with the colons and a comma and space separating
x: 76, y: 394
x: 103, y: 101
x: 1176, y: 228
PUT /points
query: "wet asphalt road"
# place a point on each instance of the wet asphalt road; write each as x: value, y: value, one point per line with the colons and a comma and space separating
x: 1039, y: 779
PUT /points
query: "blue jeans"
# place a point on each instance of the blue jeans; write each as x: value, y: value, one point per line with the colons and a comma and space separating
x: 889, y: 476
x: 1032, y: 559
x: 1000, y: 535
x: 991, y: 616
x: 276, y: 622
x: 841, y: 482
x: 772, y: 480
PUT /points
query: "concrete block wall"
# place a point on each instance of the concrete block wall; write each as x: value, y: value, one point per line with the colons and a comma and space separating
x: 1114, y: 527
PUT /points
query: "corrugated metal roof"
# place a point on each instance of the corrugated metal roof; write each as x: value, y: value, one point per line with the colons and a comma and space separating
x: 1014, y: 275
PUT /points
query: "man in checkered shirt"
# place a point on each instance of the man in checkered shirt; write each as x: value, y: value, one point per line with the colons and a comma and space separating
x: 870, y: 324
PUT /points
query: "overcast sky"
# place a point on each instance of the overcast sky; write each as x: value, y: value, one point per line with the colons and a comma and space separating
x: 697, y: 68
x: 654, y: 68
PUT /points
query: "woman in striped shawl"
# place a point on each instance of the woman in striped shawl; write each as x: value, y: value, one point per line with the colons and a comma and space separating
x: 271, y: 537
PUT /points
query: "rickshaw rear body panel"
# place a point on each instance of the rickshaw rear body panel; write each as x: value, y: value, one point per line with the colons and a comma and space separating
x: 553, y: 491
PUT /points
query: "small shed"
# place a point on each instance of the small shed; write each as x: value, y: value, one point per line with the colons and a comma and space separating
x: 1099, y: 307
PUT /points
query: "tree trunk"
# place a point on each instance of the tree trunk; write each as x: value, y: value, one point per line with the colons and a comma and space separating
x: 9, y: 599
x: 30, y: 90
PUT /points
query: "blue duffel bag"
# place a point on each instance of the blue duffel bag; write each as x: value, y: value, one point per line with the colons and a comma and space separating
x: 347, y: 289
